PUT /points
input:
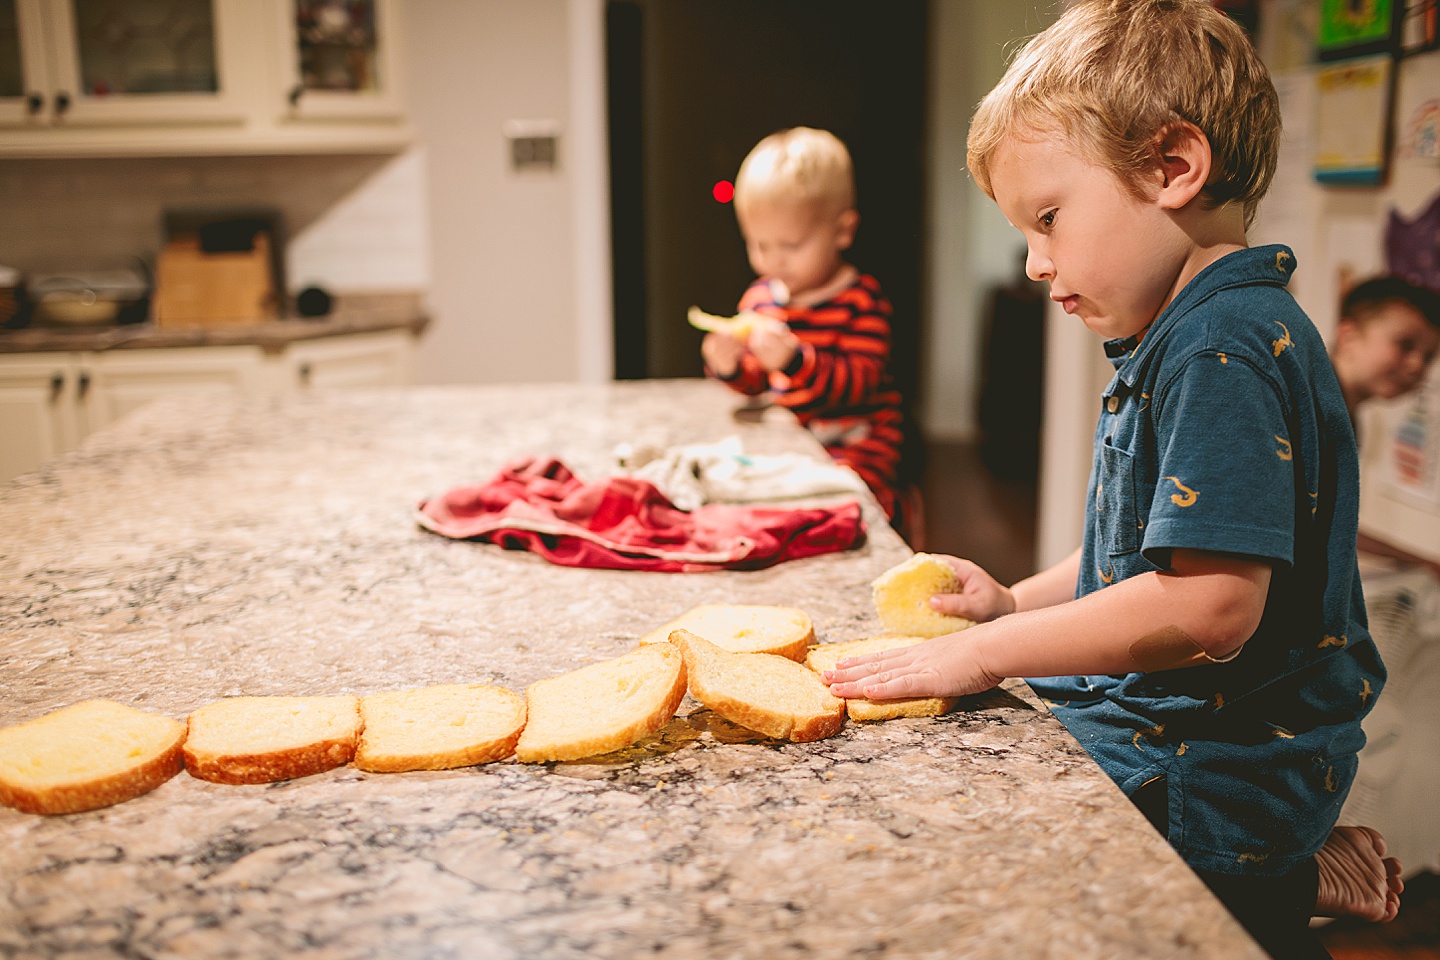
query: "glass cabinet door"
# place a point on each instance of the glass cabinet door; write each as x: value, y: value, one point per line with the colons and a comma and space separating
x: 24, y: 80
x: 12, y: 73
x: 341, y: 58
x: 129, y: 60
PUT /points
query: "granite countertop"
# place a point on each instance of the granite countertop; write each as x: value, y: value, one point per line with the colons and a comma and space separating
x: 352, y: 313
x: 269, y: 547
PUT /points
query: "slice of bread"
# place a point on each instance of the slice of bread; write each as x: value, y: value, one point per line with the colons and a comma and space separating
x: 437, y: 728
x: 902, y: 597
x: 264, y: 739
x: 768, y: 694
x: 826, y: 655
x: 745, y: 628
x: 602, y: 707
x: 88, y: 755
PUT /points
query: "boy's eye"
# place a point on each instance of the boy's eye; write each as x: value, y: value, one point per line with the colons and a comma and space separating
x: 1048, y: 218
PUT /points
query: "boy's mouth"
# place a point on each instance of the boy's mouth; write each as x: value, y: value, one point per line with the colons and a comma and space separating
x: 1067, y: 303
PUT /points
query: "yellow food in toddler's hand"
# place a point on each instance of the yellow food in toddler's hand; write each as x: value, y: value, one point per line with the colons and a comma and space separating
x: 738, y: 326
x: 902, y: 597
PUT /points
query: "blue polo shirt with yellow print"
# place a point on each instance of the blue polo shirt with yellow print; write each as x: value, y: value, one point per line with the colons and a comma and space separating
x: 1224, y: 430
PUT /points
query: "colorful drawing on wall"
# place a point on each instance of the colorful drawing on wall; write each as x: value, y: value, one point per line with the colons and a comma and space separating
x: 1421, y: 139
x: 1350, y: 28
x: 1421, y: 29
x: 1353, y: 113
x: 1412, y: 468
x: 1412, y: 247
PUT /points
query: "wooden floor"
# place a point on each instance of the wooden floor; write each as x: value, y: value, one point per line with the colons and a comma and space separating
x: 971, y: 513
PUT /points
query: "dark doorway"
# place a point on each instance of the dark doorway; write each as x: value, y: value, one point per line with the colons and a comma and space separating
x: 694, y: 84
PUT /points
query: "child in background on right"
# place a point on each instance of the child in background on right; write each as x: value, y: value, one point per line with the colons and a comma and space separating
x: 1385, y: 342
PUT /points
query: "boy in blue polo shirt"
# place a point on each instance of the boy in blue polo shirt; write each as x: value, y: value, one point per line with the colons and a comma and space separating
x: 1207, y: 644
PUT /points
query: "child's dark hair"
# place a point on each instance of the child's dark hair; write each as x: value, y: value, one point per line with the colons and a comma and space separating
x: 1365, y: 298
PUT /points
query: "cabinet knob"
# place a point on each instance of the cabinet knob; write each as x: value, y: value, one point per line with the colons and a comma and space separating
x: 296, y: 92
x: 304, y: 372
x: 34, y: 103
x: 84, y: 383
x: 57, y: 385
x: 62, y: 102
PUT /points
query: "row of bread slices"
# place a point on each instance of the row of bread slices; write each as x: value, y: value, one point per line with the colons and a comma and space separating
x: 749, y: 670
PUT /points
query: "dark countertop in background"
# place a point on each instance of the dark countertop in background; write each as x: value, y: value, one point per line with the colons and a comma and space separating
x: 270, y: 547
x: 353, y: 313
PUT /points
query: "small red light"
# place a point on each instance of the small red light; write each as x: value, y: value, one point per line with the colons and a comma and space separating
x: 724, y: 191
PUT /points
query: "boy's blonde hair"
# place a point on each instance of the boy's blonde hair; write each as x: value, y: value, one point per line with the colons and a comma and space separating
x: 799, y: 165
x: 1114, y: 75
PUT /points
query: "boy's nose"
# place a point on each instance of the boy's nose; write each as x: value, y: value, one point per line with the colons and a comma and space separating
x: 1037, y: 267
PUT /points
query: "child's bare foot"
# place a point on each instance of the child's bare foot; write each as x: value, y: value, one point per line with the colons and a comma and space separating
x: 1356, y: 878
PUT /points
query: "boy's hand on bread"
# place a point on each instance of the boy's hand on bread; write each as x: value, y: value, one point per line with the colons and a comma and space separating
x: 981, y: 597
x: 948, y: 666
x: 722, y: 353
x: 773, y: 343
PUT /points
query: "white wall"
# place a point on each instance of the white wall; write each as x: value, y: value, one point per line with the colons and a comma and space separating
x: 503, y: 244
x: 375, y: 238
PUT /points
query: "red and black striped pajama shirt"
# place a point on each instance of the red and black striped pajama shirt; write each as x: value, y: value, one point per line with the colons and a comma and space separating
x: 838, y: 384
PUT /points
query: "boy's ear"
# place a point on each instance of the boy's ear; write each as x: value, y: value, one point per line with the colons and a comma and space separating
x: 1183, y: 153
x: 845, y: 226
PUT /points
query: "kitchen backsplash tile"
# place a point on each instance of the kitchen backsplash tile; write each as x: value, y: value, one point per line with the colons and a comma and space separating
x: 352, y: 222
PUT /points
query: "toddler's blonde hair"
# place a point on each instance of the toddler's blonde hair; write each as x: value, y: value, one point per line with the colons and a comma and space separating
x: 1114, y: 75
x: 798, y: 165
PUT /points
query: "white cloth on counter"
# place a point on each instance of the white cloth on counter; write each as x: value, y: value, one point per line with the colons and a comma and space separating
x: 721, y: 472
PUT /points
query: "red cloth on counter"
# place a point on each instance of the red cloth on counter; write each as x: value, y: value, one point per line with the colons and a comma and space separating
x: 623, y: 523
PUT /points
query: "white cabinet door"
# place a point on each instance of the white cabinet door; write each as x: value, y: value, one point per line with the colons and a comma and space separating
x: 124, y: 380
x: 39, y: 409
x: 142, y: 61
x: 199, y: 77
x: 338, y: 61
x: 24, y: 64
x: 363, y: 360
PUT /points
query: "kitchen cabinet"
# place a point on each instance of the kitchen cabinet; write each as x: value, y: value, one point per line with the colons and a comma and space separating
x: 125, y: 380
x: 89, y: 62
x: 199, y: 77
x: 339, y: 60
x: 50, y: 402
x: 369, y: 360
x: 42, y: 409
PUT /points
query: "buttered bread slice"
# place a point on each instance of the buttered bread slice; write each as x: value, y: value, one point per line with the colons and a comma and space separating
x: 745, y: 628
x: 264, y: 739
x: 438, y: 728
x: 603, y: 707
x: 88, y: 755
x: 902, y: 597
x: 826, y: 655
x: 768, y: 694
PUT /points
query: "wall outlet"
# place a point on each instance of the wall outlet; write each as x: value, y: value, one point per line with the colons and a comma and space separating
x: 534, y: 145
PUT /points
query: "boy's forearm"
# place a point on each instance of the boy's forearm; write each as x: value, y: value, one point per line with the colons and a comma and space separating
x: 1155, y: 621
x: 1048, y: 587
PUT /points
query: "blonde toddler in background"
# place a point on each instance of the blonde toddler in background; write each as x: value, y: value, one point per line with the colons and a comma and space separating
x: 819, y: 340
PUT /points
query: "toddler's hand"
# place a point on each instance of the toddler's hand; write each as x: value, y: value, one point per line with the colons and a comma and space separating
x: 772, y: 343
x: 947, y: 666
x: 722, y: 353
x: 981, y: 597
